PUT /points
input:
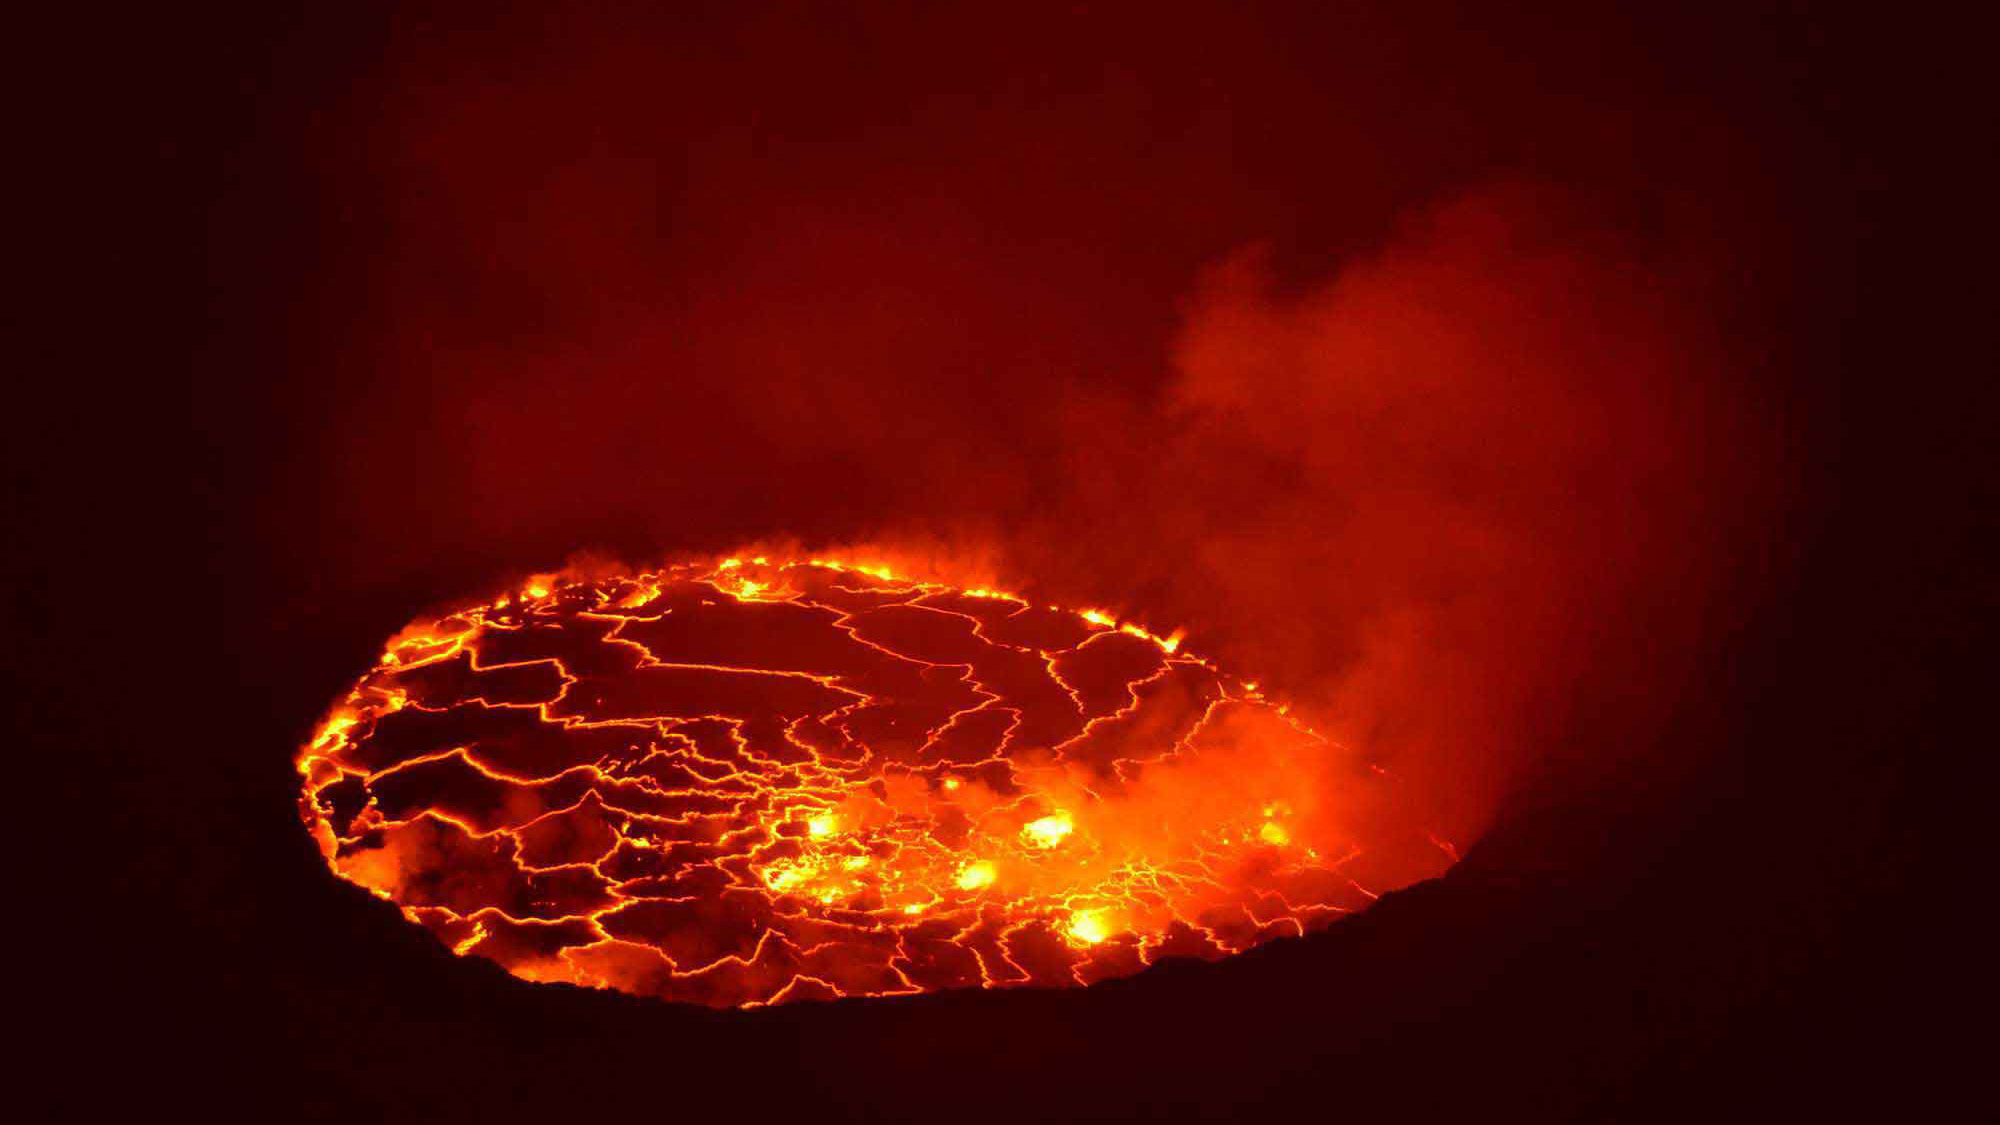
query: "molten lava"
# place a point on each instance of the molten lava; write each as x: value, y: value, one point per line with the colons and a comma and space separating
x: 757, y: 782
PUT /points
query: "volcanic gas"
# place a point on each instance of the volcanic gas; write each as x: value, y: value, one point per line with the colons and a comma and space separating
x: 759, y: 781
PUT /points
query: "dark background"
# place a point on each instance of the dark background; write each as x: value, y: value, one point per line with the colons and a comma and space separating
x: 963, y: 223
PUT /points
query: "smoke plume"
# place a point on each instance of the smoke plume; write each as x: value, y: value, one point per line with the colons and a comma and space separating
x: 1470, y: 500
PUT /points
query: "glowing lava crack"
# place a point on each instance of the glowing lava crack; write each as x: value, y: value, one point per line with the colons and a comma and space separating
x: 755, y: 782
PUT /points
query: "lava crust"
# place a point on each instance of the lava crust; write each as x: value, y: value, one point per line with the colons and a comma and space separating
x: 756, y: 782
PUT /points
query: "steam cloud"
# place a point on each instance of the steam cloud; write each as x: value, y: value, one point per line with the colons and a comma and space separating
x: 1468, y: 501
x: 1471, y: 499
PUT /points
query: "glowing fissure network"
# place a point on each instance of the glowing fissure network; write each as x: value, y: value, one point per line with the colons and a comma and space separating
x: 755, y: 782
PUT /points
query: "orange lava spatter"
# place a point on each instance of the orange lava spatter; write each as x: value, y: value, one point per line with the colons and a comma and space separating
x: 751, y: 782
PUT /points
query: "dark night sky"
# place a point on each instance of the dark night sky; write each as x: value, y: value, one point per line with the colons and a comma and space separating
x: 1659, y: 485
